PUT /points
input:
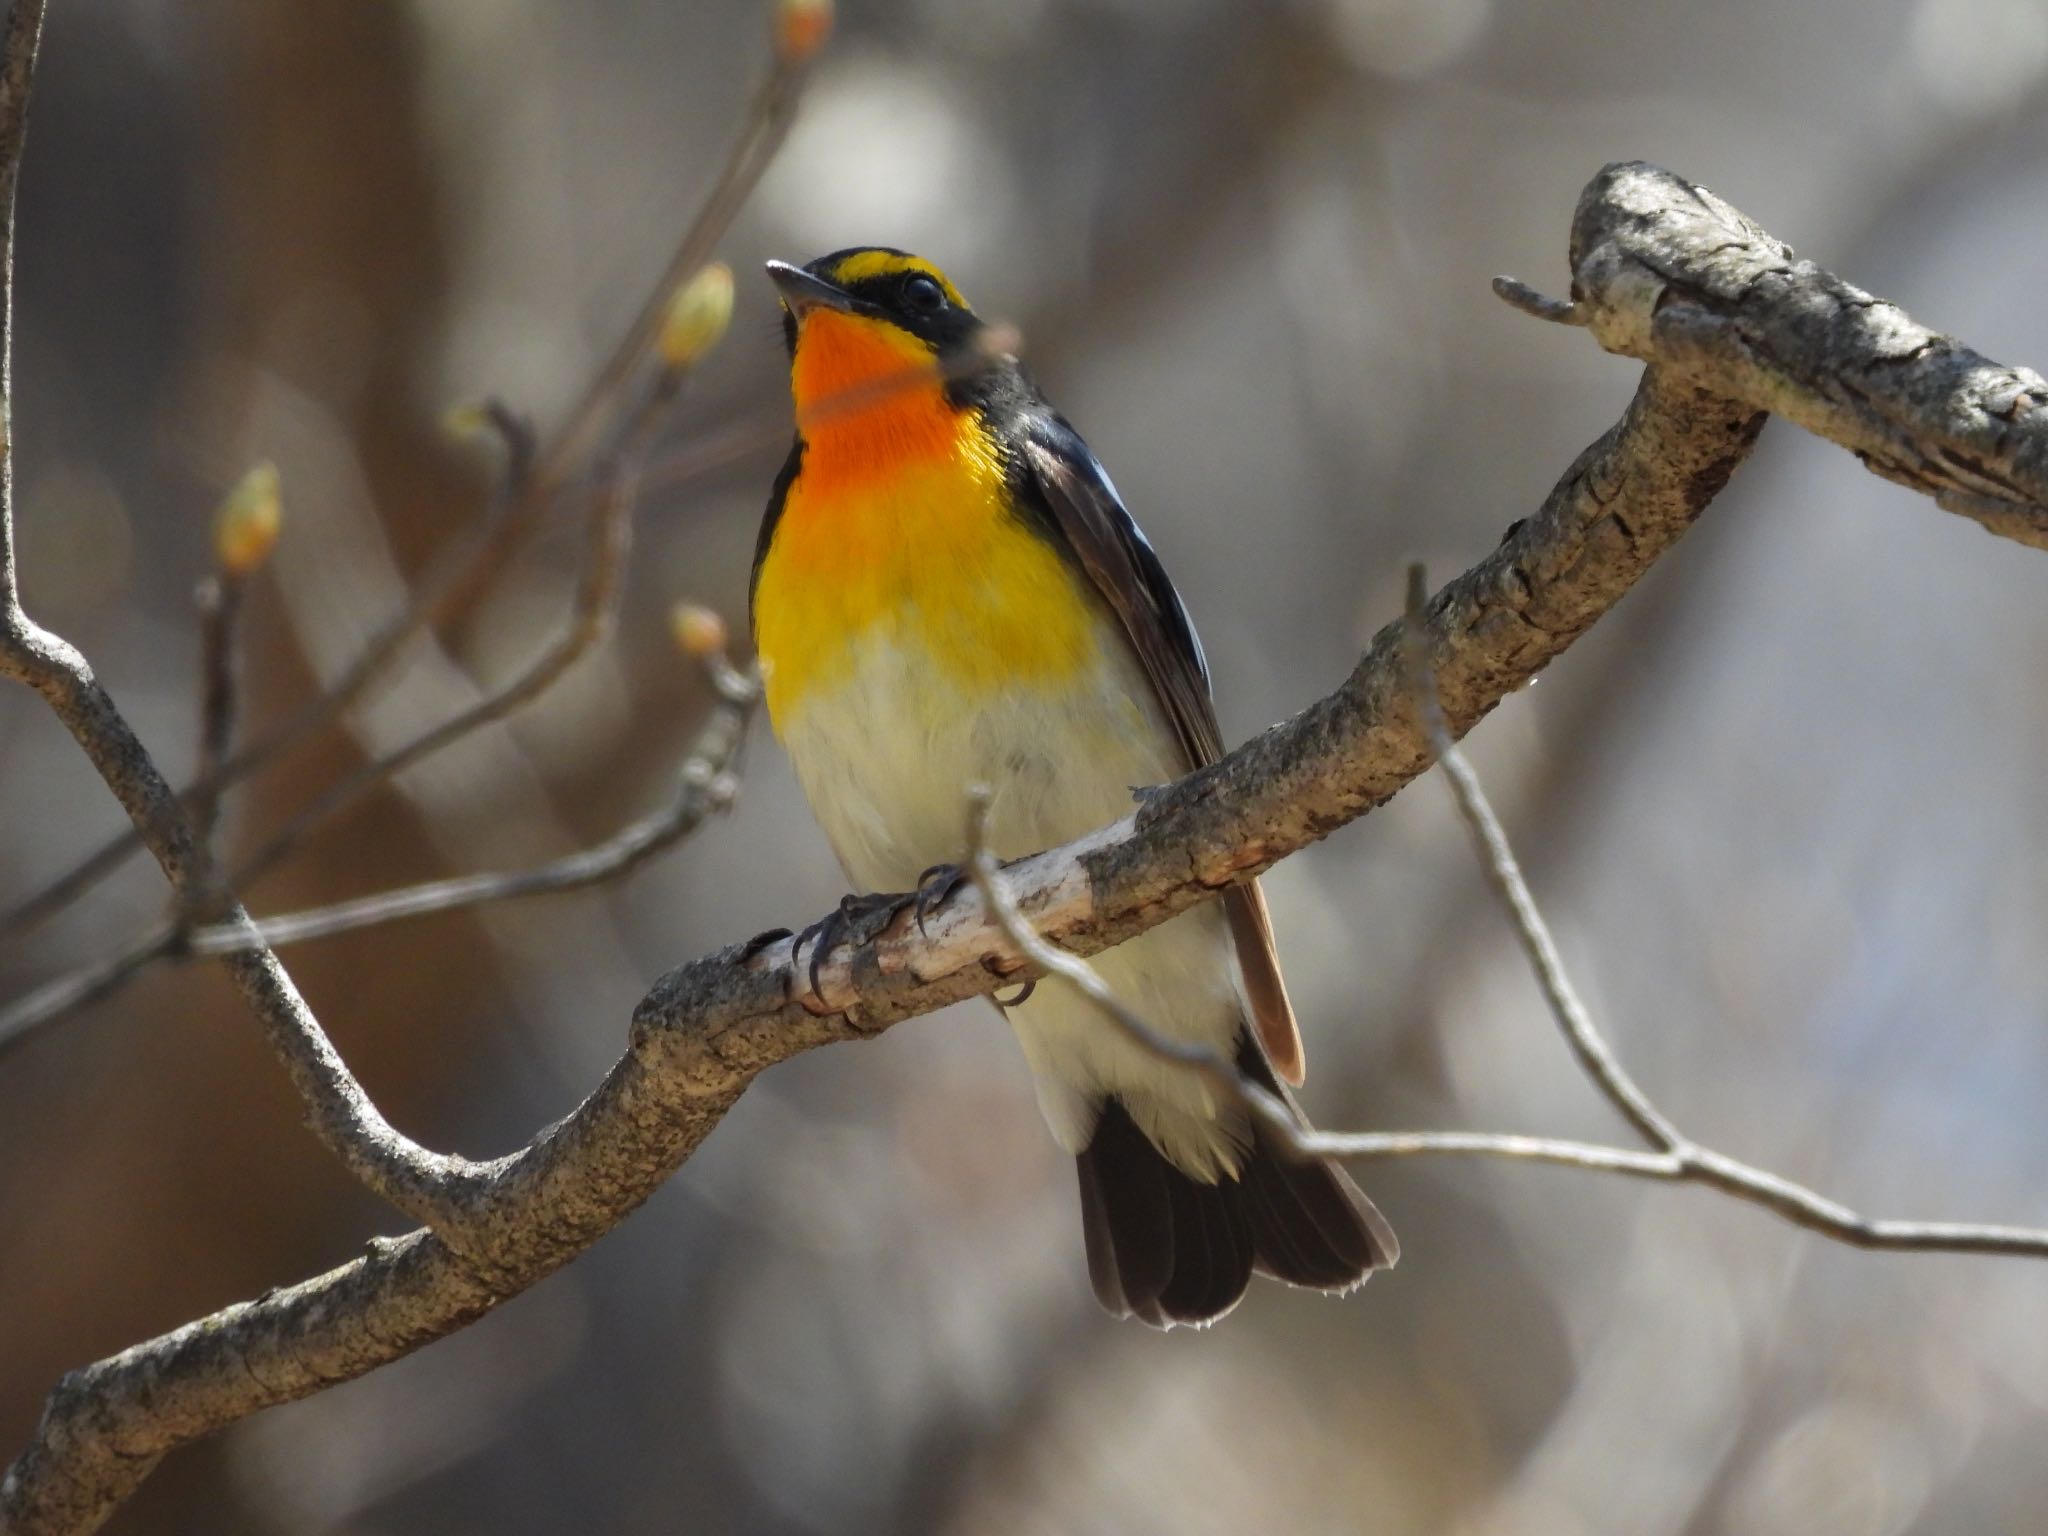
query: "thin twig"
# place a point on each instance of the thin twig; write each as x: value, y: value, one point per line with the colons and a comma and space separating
x: 768, y: 121
x: 1532, y: 301
x: 1677, y: 1157
x: 705, y: 786
x: 18, y: 49
x: 589, y: 619
x: 476, y: 555
x: 219, y: 600
x: 1502, y: 872
x: 43, y: 1005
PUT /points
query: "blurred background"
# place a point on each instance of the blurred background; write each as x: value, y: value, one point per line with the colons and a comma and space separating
x: 1783, y: 806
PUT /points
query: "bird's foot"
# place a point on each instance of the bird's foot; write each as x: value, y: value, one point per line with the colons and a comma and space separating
x: 853, y: 917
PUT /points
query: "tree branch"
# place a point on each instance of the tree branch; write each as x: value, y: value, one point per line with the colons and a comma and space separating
x: 18, y: 48
x: 1667, y: 272
x: 705, y: 1030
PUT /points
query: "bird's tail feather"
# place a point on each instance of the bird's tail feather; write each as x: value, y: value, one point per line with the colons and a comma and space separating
x: 1168, y: 1248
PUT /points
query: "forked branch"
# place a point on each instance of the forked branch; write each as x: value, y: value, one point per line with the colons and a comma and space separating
x: 706, y: 1030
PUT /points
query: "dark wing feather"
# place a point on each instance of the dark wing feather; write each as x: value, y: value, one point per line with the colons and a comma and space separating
x: 1062, y: 480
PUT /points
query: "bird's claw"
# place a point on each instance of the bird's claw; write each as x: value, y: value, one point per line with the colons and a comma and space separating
x: 759, y: 942
x: 933, y: 887
x: 831, y: 928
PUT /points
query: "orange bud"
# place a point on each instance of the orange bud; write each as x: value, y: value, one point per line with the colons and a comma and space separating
x: 245, y: 527
x: 801, y: 27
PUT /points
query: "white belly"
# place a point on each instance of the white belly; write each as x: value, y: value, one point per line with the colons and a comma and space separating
x: 886, y: 760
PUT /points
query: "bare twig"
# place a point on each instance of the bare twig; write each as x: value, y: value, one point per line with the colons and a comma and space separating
x: 43, y: 1005
x: 705, y: 786
x: 534, y: 482
x: 219, y: 601
x: 1677, y: 1157
x: 1502, y: 872
x: 18, y: 48
x: 1531, y: 301
x: 590, y: 615
x: 767, y: 125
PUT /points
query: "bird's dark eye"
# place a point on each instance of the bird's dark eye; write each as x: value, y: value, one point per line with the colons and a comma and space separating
x: 923, y: 295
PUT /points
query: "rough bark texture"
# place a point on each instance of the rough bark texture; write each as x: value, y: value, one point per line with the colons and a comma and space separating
x: 1665, y: 271
x: 1661, y: 270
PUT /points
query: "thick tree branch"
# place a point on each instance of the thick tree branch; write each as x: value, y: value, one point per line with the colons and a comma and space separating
x: 1665, y: 271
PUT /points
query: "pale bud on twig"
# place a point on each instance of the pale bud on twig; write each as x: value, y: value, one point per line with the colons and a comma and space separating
x: 697, y: 316
x: 698, y: 631
x: 246, y: 525
x: 466, y: 419
x: 801, y: 27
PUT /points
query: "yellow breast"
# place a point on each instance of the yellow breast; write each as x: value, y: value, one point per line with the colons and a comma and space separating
x: 900, y: 532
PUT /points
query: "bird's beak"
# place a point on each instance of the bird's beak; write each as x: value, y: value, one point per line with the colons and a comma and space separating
x: 801, y: 290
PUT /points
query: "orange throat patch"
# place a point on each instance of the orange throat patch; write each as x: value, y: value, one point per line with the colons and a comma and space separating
x: 898, y: 530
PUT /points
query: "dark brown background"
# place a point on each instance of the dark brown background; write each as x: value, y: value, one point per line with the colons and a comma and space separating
x: 1784, y: 807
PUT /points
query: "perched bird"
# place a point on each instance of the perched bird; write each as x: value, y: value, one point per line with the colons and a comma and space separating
x: 947, y: 591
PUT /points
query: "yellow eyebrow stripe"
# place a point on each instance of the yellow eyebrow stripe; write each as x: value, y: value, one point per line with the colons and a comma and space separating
x: 865, y: 264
